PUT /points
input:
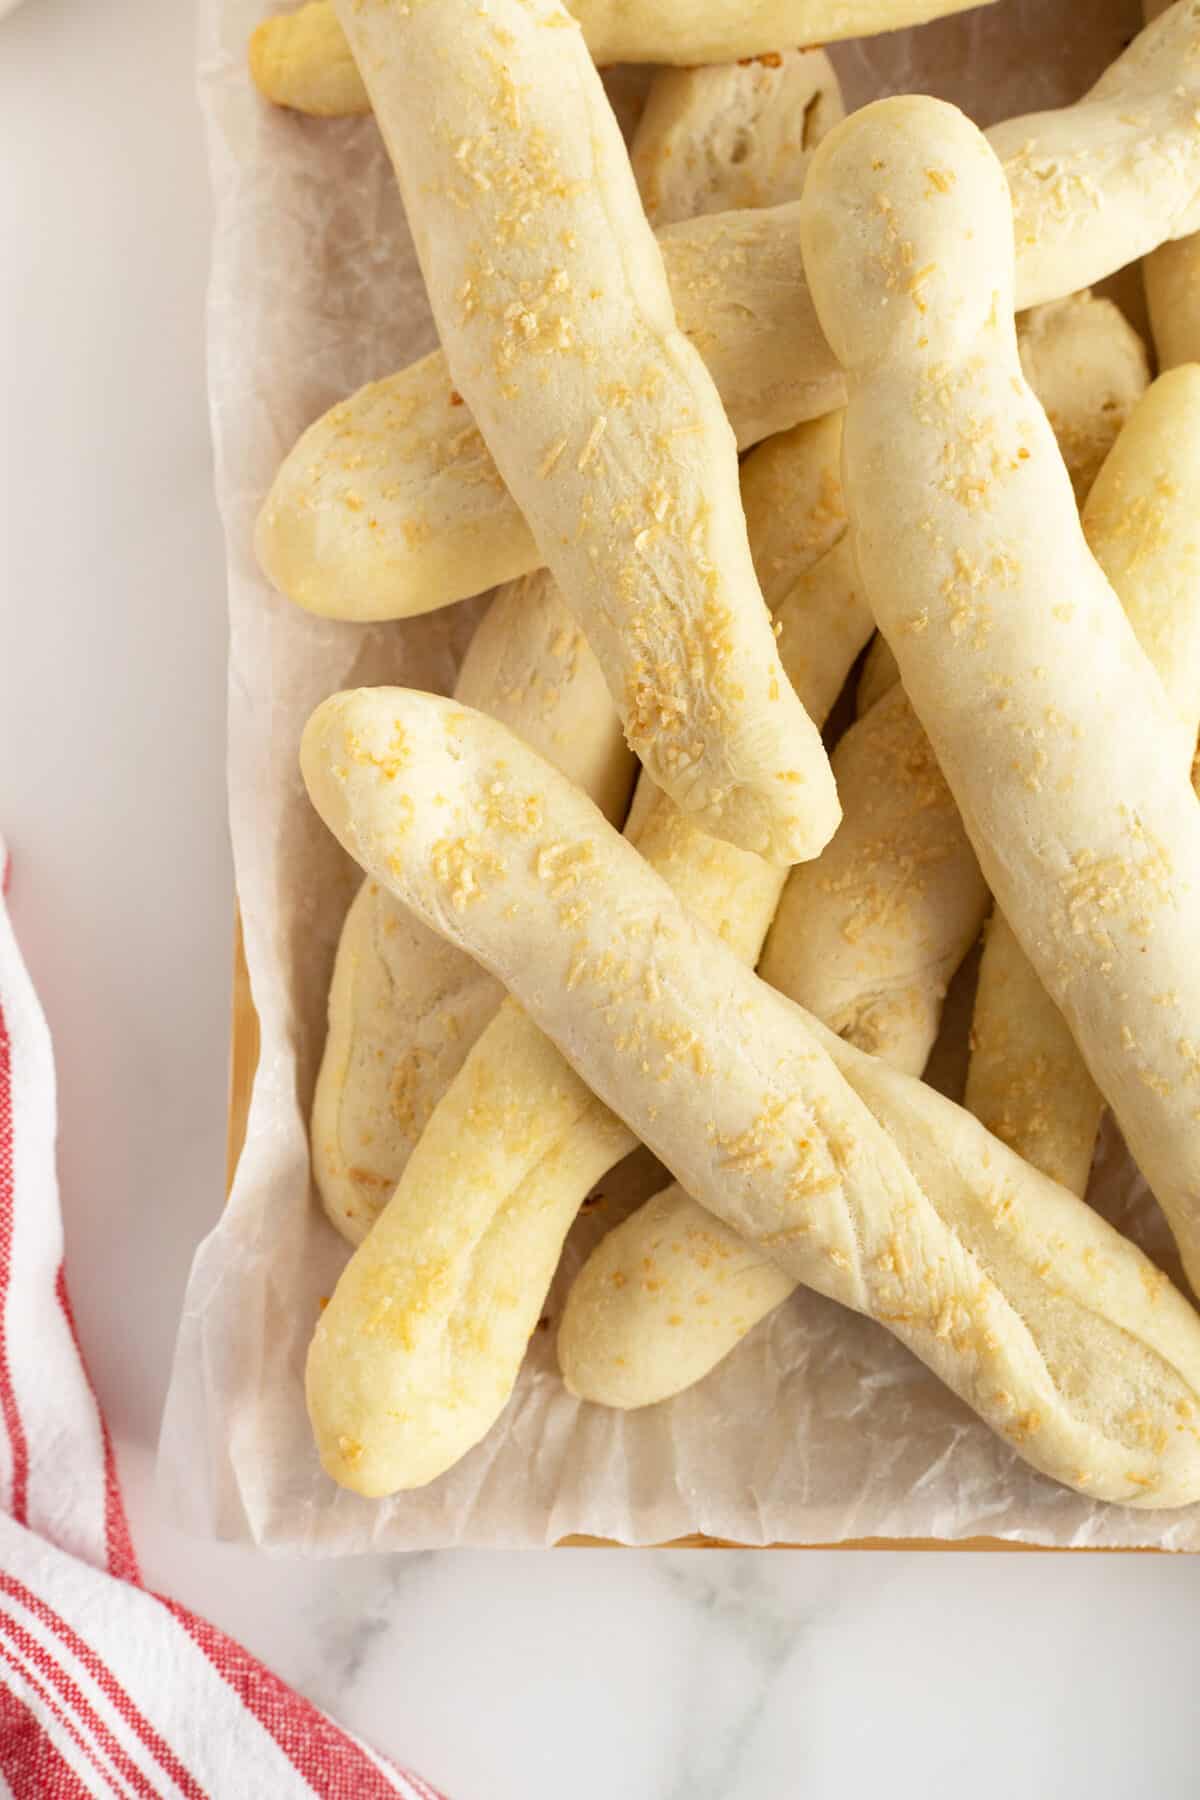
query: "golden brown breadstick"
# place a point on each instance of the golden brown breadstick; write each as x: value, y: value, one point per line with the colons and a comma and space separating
x: 1012, y: 646
x: 302, y: 59
x: 558, y: 327
x: 865, y: 1184
x: 1026, y: 1080
x: 405, y: 1006
x: 389, y: 505
x: 731, y: 135
x: 1142, y: 521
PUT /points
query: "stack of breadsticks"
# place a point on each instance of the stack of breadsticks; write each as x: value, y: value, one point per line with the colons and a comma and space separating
x: 739, y: 958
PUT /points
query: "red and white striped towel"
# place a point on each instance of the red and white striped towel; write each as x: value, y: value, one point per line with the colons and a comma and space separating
x: 106, y: 1688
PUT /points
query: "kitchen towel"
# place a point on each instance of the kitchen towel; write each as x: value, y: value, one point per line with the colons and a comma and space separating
x: 105, y: 1687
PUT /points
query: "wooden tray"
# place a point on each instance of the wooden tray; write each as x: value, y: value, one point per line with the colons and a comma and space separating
x: 242, y: 1065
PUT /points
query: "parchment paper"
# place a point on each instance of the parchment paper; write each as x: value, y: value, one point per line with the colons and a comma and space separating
x: 820, y: 1427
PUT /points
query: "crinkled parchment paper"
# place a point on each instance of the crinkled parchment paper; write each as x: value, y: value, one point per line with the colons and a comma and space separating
x: 819, y: 1427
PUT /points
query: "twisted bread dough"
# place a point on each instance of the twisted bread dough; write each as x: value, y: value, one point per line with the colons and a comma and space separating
x: 301, y: 59
x: 863, y: 1183
x: 1026, y: 1080
x: 390, y: 505
x: 1012, y: 646
x: 557, y: 322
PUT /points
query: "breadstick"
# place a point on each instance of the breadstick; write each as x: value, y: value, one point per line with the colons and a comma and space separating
x: 867, y: 1186
x: 1012, y: 646
x: 302, y: 59
x: 1088, y: 367
x: 869, y: 937
x: 661, y: 1300
x: 389, y: 505
x: 404, y: 1005
x: 1026, y: 1080
x: 557, y: 322
x: 725, y: 136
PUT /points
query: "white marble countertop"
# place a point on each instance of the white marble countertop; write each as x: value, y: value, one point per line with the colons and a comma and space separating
x: 652, y: 1676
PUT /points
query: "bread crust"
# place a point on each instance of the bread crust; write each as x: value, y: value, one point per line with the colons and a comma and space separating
x: 1011, y: 644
